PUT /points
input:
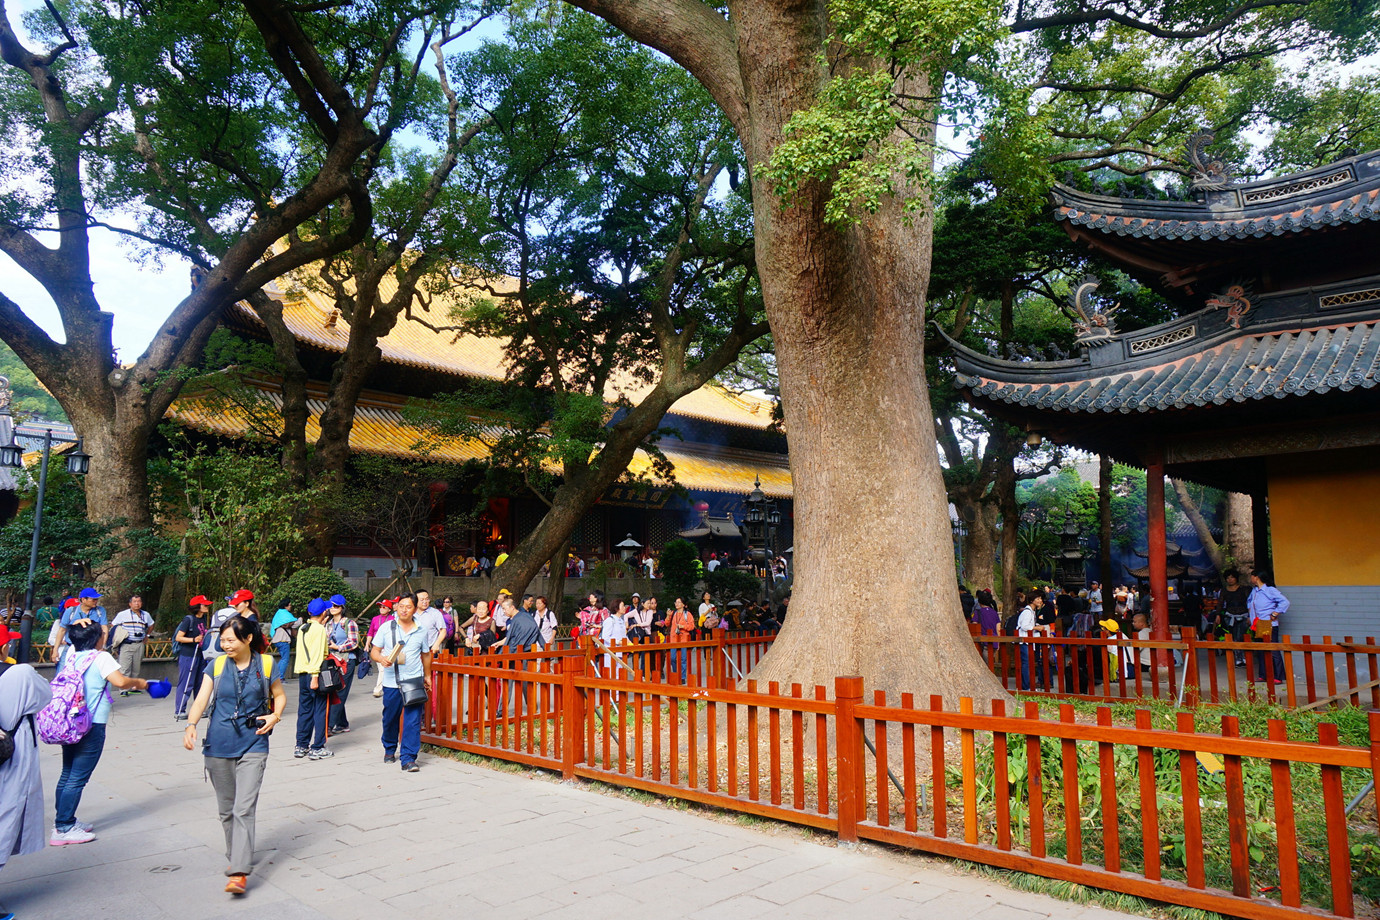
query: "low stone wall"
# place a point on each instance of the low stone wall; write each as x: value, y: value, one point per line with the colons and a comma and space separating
x: 1331, y: 610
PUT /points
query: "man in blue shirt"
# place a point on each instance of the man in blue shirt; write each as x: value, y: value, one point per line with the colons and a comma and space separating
x: 86, y: 609
x: 402, y: 652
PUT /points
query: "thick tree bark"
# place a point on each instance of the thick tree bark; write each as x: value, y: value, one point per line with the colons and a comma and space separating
x: 1200, y: 526
x: 1005, y: 491
x: 980, y: 546
x: 1240, y: 532
x: 846, y: 308
x: 1104, y: 523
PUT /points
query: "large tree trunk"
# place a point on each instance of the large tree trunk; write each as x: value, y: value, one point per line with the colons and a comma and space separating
x: 1240, y: 531
x: 846, y: 308
x: 1004, y: 489
x: 1200, y: 526
x: 980, y: 546
x: 1104, y: 523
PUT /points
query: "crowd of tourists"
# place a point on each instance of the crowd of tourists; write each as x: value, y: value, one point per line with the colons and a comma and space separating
x: 1237, y: 613
x: 231, y: 667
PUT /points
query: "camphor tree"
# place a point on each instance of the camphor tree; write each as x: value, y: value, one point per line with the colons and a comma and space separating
x: 419, y: 225
x: 837, y: 106
x: 614, y: 264
x: 195, y: 128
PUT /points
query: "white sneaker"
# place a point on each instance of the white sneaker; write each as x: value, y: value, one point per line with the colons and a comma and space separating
x: 75, y: 835
x: 89, y: 828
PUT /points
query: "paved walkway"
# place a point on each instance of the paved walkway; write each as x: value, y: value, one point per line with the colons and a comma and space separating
x: 352, y: 838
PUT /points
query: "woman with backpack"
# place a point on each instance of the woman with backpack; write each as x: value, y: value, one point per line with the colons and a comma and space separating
x: 86, y: 673
x: 242, y: 701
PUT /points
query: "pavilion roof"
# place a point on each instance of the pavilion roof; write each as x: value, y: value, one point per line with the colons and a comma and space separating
x: 1292, y: 362
x: 1284, y: 230
x: 428, y: 340
x: 381, y: 428
x: 1347, y: 191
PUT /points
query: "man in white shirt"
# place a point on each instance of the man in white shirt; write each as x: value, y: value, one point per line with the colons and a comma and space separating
x: 432, y: 620
x: 1026, y: 626
x: 713, y: 562
x: 136, y: 623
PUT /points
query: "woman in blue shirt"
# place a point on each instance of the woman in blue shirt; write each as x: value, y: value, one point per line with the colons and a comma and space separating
x: 243, y: 703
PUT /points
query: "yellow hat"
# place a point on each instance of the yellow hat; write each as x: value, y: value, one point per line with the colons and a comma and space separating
x: 503, y: 591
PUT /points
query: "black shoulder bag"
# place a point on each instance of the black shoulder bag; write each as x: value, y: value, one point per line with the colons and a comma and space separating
x: 413, y: 689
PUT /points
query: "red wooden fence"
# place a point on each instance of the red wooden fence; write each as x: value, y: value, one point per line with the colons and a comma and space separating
x: 1113, y: 806
x: 1115, y: 668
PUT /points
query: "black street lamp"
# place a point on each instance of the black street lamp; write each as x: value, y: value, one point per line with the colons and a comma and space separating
x: 763, y: 517
x: 78, y: 464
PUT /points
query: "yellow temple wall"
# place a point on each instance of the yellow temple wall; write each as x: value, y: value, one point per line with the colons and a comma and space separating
x: 1325, y: 517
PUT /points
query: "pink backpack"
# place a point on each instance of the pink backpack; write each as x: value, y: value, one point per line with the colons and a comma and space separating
x: 67, y: 719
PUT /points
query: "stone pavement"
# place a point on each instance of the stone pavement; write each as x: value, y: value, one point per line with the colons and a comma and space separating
x: 350, y: 838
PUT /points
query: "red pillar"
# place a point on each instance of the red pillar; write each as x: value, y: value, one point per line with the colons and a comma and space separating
x: 1159, y: 579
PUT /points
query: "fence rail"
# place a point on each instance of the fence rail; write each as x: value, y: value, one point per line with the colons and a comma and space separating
x: 1128, y: 808
x: 1306, y: 674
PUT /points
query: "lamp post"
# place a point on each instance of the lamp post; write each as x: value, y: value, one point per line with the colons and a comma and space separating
x: 78, y: 464
x: 763, y: 517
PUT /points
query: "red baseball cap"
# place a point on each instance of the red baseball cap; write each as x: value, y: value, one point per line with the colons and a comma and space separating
x: 6, y: 636
x: 386, y: 603
x: 70, y: 602
x: 199, y: 600
x: 240, y: 596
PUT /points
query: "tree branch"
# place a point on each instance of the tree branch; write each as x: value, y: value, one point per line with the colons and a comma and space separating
x: 691, y: 33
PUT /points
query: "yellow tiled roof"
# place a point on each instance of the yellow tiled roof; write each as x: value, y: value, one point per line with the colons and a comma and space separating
x: 380, y: 428
x: 423, y: 340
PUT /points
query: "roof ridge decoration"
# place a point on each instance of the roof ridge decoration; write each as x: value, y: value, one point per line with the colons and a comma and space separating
x: 1093, y: 325
x: 1237, y: 301
x: 1207, y: 174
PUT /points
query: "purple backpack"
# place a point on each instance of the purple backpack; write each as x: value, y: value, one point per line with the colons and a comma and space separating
x: 67, y: 719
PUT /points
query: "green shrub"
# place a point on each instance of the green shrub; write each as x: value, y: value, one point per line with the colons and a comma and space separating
x: 680, y: 570
x: 304, y: 584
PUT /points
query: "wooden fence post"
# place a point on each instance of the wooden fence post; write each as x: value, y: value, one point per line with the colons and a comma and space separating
x: 572, y: 715
x: 852, y: 775
x: 720, y: 670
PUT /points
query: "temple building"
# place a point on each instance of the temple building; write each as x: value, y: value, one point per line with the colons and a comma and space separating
x: 723, y: 442
x: 1265, y: 384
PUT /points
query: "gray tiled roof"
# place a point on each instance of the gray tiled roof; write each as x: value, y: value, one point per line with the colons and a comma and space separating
x: 1249, y: 367
x: 1345, y: 192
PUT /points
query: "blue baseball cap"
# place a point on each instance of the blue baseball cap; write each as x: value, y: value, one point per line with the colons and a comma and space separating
x: 317, y: 607
x: 337, y: 600
x: 90, y: 592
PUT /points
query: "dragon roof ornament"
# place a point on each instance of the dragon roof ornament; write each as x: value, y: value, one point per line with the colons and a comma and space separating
x: 1207, y: 174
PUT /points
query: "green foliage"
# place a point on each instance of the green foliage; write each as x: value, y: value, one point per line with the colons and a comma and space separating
x: 733, y: 585
x: 869, y: 133
x: 576, y: 213
x: 30, y: 399
x: 242, y: 513
x: 312, y: 582
x: 68, y: 538
x: 680, y: 571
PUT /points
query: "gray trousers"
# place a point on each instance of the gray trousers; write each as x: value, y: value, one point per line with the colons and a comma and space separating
x: 132, y: 658
x: 237, y: 782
